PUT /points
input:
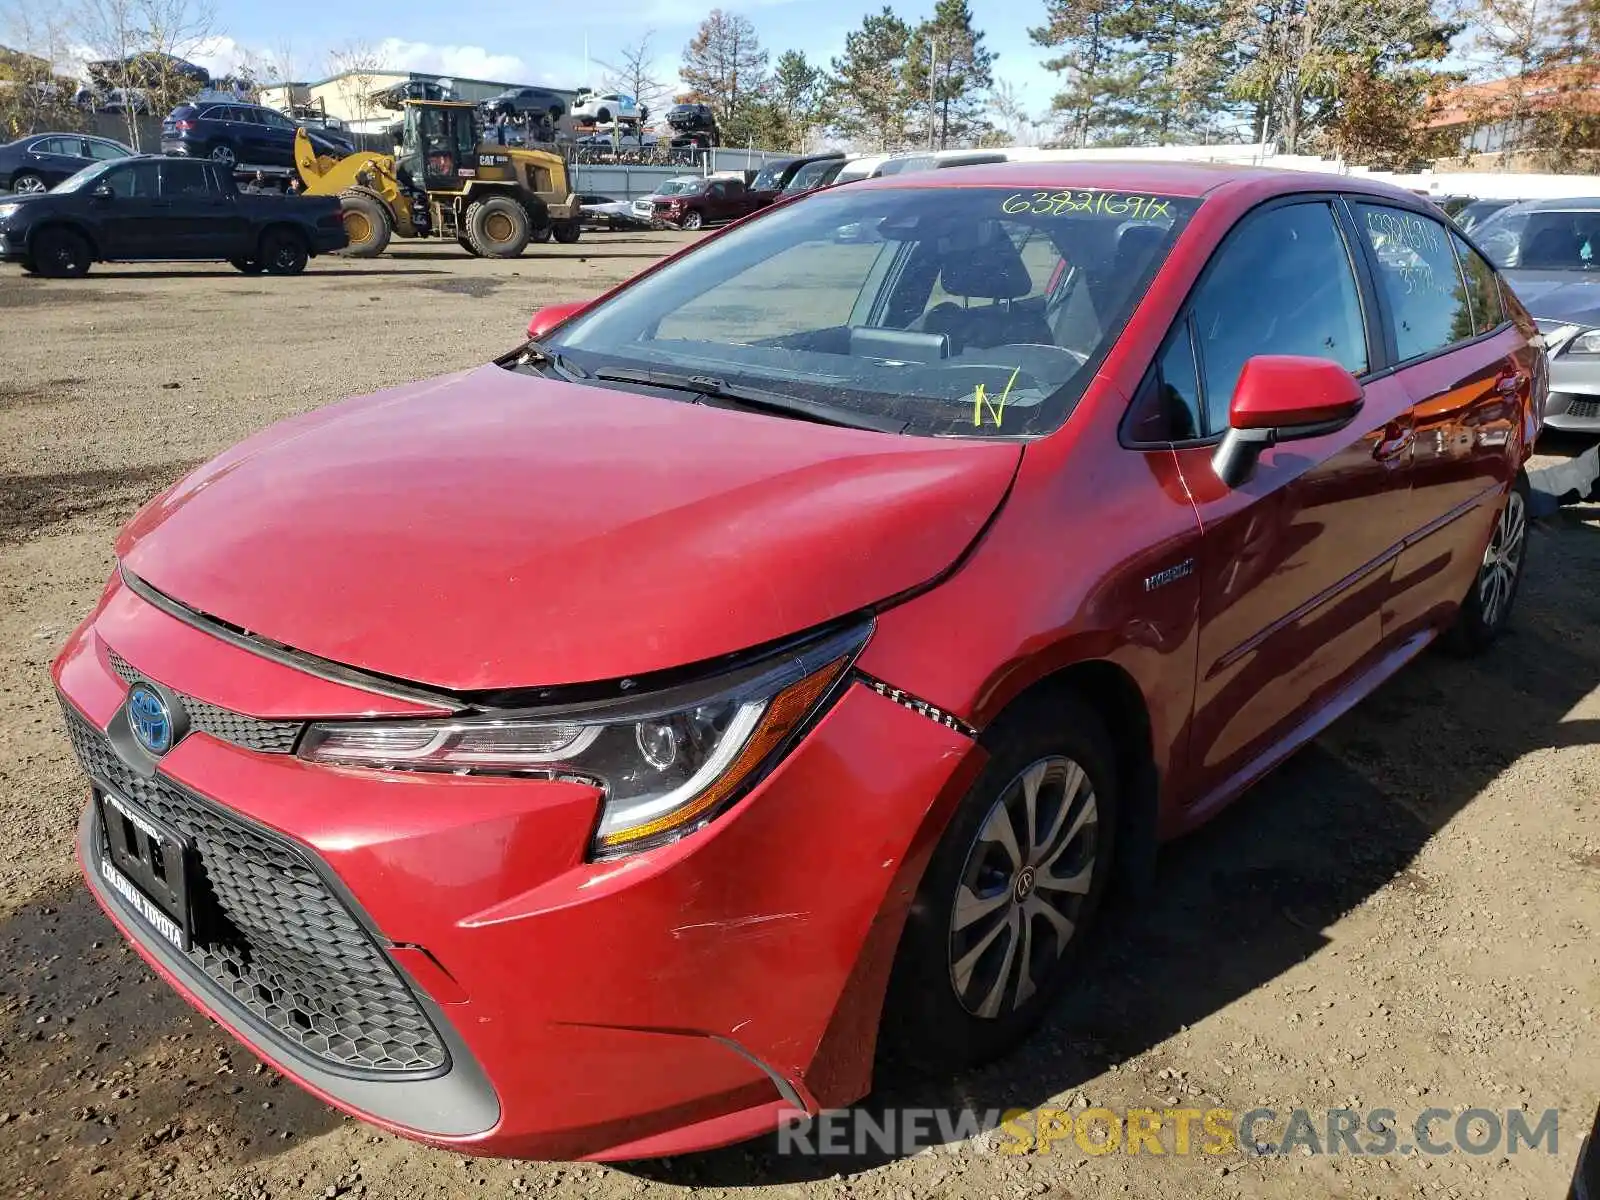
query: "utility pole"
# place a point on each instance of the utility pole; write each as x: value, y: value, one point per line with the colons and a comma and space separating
x: 933, y: 89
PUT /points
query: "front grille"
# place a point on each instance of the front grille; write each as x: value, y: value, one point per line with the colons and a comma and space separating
x: 273, y: 938
x: 1584, y: 408
x: 253, y: 733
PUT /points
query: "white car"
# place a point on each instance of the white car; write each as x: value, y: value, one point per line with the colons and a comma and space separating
x: 613, y: 106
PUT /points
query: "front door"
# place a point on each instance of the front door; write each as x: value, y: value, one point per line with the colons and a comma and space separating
x: 128, y: 219
x: 1296, y: 562
x: 1459, y: 363
x: 198, y: 221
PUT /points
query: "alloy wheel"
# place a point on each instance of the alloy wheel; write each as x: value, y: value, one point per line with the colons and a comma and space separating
x: 1023, y: 887
x: 1497, y: 578
x: 28, y: 185
x: 223, y: 155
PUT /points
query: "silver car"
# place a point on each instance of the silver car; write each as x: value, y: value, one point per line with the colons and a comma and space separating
x: 1549, y: 251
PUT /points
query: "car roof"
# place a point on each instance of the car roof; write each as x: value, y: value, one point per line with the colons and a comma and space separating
x: 1186, y: 179
x: 1560, y: 204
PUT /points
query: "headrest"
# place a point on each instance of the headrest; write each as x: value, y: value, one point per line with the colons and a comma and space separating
x: 1136, y: 243
x: 990, y: 270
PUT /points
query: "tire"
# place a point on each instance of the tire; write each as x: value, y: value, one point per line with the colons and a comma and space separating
x: 366, y: 224
x: 223, y: 153
x: 692, y: 220
x: 602, y: 116
x: 567, y: 232
x: 61, y: 253
x: 957, y: 995
x: 498, y: 227
x: 283, y: 252
x: 26, y: 183
x: 245, y: 266
x: 1486, y: 610
x: 541, y: 234
x: 466, y: 244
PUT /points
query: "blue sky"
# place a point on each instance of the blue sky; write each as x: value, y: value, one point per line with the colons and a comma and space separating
x: 545, y: 43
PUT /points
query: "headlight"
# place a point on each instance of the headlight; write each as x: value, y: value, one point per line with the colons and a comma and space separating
x: 1585, y: 343
x: 668, y: 762
x: 9, y: 210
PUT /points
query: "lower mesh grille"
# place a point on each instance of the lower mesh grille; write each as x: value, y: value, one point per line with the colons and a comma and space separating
x: 270, y: 934
x: 1584, y: 408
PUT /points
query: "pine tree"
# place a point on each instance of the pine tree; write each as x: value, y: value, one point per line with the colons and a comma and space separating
x: 948, y: 73
x: 1176, y: 72
x: 724, y: 64
x: 868, y: 88
x: 796, y: 98
x: 1095, y: 84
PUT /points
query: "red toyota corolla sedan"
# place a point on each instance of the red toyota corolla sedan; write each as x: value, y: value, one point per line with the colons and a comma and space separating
x: 599, y: 753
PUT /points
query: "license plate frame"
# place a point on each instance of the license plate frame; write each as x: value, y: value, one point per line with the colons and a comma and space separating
x: 148, y: 864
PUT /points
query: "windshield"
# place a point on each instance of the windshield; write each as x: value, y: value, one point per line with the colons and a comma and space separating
x: 971, y: 311
x: 680, y: 187
x: 811, y: 174
x: 1542, y: 239
x: 84, y: 178
x: 769, y: 176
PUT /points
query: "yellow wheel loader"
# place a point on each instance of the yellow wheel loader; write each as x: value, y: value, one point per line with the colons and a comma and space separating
x: 491, y: 199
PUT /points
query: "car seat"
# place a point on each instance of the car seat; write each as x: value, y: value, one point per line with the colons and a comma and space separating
x: 991, y: 270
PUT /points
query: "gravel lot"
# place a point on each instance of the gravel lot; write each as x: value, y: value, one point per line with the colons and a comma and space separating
x: 1405, y: 916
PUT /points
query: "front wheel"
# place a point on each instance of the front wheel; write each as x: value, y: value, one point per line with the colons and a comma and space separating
x: 60, y: 254
x: 245, y: 266
x: 1486, y: 610
x: 1010, y: 893
x: 693, y: 220
x: 465, y: 243
x: 567, y: 232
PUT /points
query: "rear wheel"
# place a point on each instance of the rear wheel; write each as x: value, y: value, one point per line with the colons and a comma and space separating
x: 223, y: 153
x: 567, y: 232
x: 283, y: 252
x: 366, y: 224
x: 541, y: 234
x: 27, y: 184
x: 498, y: 227
x: 1486, y: 610
x: 1010, y: 893
x: 60, y: 254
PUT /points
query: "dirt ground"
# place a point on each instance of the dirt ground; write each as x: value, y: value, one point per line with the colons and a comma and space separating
x: 1404, y: 916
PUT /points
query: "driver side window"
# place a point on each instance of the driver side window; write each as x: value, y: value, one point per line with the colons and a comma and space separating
x: 1282, y: 284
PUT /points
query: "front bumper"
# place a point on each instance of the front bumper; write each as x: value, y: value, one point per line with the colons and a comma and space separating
x: 1572, y: 410
x: 680, y: 999
x: 13, y: 244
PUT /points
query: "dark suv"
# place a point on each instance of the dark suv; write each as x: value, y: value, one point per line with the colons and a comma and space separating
x: 231, y: 134
x: 692, y: 125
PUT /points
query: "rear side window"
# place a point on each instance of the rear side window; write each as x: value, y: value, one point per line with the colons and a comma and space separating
x: 136, y: 181
x: 101, y: 151
x: 1483, y: 287
x: 1418, y: 276
x: 179, y: 178
x: 1281, y: 284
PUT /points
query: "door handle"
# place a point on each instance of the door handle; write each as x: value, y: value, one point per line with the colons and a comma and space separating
x: 1511, y: 383
x: 1392, y: 446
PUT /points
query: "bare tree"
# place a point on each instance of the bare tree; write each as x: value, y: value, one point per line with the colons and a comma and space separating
x: 33, y: 94
x: 143, y: 47
x: 358, y: 66
x: 631, y: 73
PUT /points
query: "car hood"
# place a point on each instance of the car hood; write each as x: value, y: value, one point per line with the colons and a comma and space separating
x: 493, y: 529
x: 1567, y: 296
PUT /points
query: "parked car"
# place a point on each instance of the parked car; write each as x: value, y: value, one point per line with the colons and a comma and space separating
x: 1549, y: 252
x: 1476, y: 212
x: 150, y: 207
x: 241, y: 134
x: 817, y: 174
x: 42, y: 160
x: 693, y: 202
x: 776, y: 659
x: 609, y: 213
x: 612, y: 106
x: 521, y: 102
x: 130, y: 99
x: 862, y: 167
x: 771, y: 180
x: 622, y: 141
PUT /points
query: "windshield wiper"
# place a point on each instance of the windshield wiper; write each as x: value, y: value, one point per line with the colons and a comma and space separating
x: 708, y: 386
x: 533, y: 353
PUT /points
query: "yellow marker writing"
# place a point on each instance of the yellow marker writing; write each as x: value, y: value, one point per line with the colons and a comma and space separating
x: 980, y: 401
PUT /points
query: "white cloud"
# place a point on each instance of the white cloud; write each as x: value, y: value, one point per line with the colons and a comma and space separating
x: 472, y: 62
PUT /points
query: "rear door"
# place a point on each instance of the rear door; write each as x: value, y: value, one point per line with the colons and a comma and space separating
x: 1295, y: 563
x: 276, y: 132
x: 1460, y: 361
x: 198, y: 220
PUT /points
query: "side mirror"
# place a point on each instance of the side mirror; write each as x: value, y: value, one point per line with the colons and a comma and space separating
x: 547, y: 318
x: 1282, y: 398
